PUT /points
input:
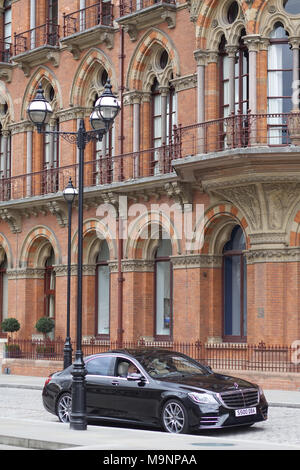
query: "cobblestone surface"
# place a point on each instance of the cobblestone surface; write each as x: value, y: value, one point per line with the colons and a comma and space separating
x: 282, y: 427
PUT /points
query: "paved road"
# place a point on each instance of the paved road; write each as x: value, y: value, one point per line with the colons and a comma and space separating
x: 282, y: 427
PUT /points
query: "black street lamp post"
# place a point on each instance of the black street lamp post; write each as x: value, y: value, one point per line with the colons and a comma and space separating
x: 70, y: 194
x: 101, y: 119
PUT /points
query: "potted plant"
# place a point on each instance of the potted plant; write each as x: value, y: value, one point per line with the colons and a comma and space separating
x: 45, y: 325
x: 11, y: 325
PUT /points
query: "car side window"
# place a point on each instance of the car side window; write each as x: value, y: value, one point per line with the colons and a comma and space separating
x: 100, y: 366
x: 124, y: 367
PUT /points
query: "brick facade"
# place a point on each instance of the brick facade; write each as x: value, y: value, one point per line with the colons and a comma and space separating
x: 252, y: 186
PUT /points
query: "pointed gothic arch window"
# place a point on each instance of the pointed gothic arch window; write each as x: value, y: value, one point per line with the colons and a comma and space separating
x: 103, y: 292
x: 49, y: 287
x: 163, y: 289
x: 235, y: 287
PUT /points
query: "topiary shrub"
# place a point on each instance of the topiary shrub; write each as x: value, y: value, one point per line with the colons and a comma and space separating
x: 10, y: 325
x: 45, y: 325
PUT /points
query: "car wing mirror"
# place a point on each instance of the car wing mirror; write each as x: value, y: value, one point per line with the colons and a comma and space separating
x: 136, y: 377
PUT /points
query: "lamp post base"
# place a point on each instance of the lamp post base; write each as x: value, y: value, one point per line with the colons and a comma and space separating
x: 78, y: 419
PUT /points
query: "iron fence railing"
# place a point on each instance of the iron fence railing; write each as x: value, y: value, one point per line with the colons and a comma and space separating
x: 100, y: 13
x: 231, y: 356
x: 43, y: 35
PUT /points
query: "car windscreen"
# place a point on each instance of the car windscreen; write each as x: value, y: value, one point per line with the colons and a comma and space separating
x: 172, y: 364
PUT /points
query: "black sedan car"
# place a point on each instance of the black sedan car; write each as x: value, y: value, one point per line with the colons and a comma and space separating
x: 158, y: 388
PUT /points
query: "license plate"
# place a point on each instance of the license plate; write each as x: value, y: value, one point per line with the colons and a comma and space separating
x: 245, y: 412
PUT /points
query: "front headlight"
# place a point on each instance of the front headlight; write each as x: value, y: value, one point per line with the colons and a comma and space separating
x: 261, y: 392
x: 202, y: 398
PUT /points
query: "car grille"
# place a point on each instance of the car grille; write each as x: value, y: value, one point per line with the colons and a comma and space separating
x: 240, y: 398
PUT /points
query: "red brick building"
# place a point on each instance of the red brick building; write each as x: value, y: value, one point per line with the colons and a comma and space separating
x: 201, y: 168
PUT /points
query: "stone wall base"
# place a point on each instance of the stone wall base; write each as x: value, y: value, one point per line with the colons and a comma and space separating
x: 267, y: 380
x: 27, y: 367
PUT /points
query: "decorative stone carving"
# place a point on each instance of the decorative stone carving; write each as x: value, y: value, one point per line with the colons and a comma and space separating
x: 246, y: 198
x: 137, y: 265
x: 58, y: 209
x: 273, y: 256
x: 279, y: 197
x: 13, y: 219
x: 180, y: 192
x: 196, y: 261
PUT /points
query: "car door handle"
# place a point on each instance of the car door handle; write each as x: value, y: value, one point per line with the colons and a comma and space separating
x: 115, y: 382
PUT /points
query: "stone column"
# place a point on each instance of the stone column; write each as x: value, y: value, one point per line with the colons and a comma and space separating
x: 252, y: 43
x: 295, y: 42
x: 32, y: 22
x: 201, y: 58
x: 231, y: 51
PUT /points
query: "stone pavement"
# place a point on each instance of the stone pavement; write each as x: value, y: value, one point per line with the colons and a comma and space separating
x: 33, y: 434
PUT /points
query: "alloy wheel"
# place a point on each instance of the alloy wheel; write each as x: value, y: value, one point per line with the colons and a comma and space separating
x: 174, y: 417
x: 64, y: 408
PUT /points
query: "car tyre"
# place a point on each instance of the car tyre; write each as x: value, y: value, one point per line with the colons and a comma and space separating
x: 174, y: 417
x: 63, y: 407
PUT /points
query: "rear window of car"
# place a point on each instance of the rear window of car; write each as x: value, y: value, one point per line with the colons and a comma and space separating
x: 100, y: 366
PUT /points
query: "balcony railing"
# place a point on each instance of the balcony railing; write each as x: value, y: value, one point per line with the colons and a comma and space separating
x: 230, y: 356
x: 103, y: 171
x: 238, y: 131
x: 128, y: 7
x: 44, y: 35
x: 5, y: 51
x: 78, y: 21
x: 235, y: 132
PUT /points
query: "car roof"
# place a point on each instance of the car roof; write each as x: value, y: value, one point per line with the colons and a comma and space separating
x: 138, y: 352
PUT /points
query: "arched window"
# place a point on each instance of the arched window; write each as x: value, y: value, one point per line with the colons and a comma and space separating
x: 103, y: 291
x: 49, y: 287
x: 163, y: 289
x: 280, y: 79
x: 234, y: 68
x: 235, y: 287
x: 3, y: 291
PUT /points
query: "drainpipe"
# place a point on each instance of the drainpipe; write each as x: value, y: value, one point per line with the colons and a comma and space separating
x: 120, y: 224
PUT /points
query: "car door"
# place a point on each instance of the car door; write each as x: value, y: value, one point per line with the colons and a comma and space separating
x: 134, y: 400
x: 99, y: 398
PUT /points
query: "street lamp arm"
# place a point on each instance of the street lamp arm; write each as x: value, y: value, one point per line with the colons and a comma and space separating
x: 78, y: 138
